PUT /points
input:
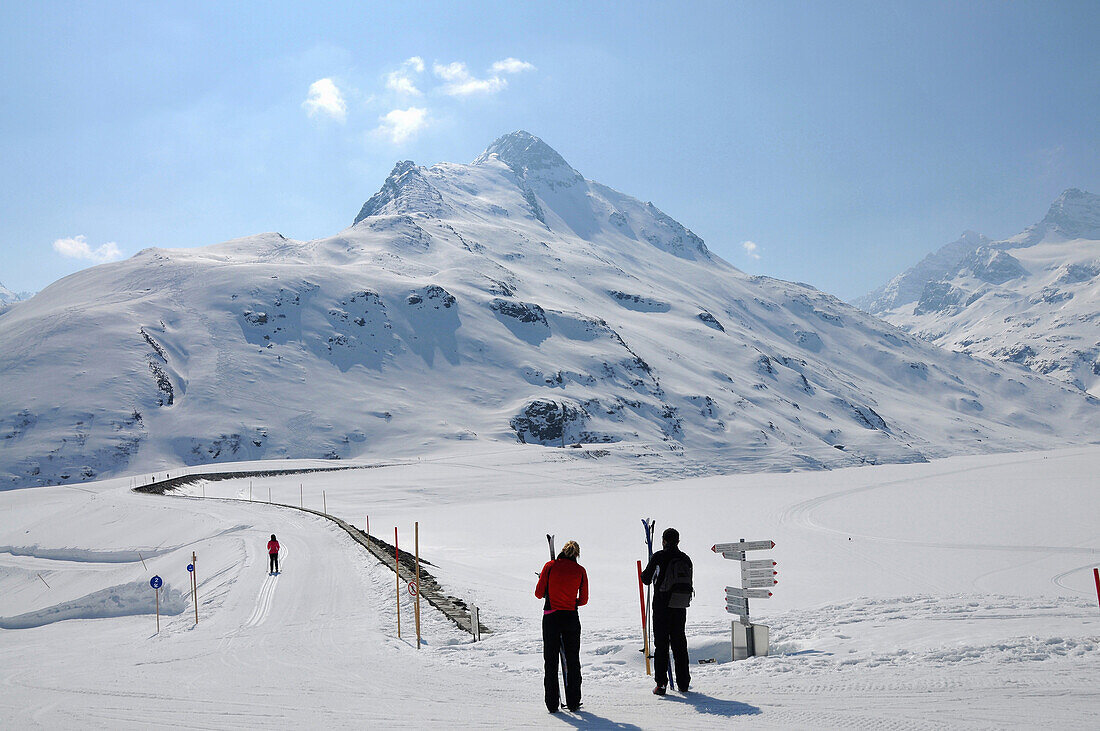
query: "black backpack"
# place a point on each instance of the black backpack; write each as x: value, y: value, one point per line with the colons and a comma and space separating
x: 676, y: 581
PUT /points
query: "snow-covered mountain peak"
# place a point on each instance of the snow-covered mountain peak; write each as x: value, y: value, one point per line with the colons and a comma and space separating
x: 1074, y: 215
x: 406, y: 190
x: 528, y: 156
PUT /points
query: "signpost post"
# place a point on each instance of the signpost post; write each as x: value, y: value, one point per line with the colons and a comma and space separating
x: 397, y: 576
x: 756, y: 576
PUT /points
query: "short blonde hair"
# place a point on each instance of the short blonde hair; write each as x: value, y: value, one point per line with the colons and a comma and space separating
x: 571, y: 549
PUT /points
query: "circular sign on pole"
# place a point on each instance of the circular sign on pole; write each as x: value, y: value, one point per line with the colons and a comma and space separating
x: 155, y: 582
x: 413, y: 588
x: 190, y: 567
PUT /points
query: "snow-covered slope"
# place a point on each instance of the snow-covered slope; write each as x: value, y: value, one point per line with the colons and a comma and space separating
x: 946, y: 595
x: 1033, y: 299
x: 506, y: 300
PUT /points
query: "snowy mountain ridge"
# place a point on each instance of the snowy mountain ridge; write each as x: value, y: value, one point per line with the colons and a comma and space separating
x: 510, y: 301
x: 1032, y: 299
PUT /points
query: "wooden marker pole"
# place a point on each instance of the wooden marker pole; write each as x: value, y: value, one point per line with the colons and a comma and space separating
x: 368, y: 528
x: 1096, y: 576
x: 269, y: 496
x: 301, y: 496
x: 250, y: 491
x: 416, y: 540
x: 645, y: 630
x: 397, y: 578
x: 195, y: 584
x: 157, y: 592
x: 324, y: 502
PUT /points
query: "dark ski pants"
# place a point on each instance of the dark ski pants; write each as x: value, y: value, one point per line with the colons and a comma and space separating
x: 274, y: 561
x: 668, y: 630
x: 561, y: 632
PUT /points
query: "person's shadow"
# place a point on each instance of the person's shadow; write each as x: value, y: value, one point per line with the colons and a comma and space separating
x: 584, y: 719
x: 702, y: 703
x: 711, y: 706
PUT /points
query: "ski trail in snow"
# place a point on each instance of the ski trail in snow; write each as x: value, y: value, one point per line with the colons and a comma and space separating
x: 265, y: 598
x: 801, y: 514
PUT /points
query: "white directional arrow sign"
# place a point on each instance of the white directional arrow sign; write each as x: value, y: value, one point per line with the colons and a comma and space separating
x: 737, y: 592
x: 742, y: 546
x: 737, y: 606
x: 766, y: 563
x: 758, y: 572
x: 755, y: 582
x: 733, y: 555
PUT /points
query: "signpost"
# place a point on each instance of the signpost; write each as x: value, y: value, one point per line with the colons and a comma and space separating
x: 156, y: 583
x: 756, y: 576
x: 397, y: 575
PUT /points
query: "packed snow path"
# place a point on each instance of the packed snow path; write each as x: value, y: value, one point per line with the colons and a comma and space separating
x: 945, y: 595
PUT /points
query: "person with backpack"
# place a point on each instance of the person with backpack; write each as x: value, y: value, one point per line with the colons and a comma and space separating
x: 563, y: 583
x: 670, y: 570
x: 273, y: 555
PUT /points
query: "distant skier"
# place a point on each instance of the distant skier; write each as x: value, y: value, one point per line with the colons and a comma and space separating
x: 564, y: 584
x: 671, y: 569
x: 273, y: 555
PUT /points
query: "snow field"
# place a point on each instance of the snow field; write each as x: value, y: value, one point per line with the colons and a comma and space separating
x: 909, y: 596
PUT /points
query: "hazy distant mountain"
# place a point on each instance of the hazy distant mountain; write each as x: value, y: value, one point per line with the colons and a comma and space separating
x: 1033, y: 299
x: 8, y: 297
x: 509, y: 300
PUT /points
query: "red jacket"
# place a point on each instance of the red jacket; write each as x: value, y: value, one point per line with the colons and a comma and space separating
x: 568, y: 584
x: 272, y: 546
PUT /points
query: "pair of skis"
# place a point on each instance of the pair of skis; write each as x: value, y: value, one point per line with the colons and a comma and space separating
x: 647, y: 608
x: 561, y: 644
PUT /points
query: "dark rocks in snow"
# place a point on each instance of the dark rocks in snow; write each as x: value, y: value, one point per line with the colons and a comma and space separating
x: 939, y: 297
x: 548, y: 422
x: 433, y: 295
x: 526, y: 312
x: 163, y: 383
x: 154, y: 344
x: 711, y: 321
x: 1077, y: 273
x: 639, y: 303
x: 993, y: 266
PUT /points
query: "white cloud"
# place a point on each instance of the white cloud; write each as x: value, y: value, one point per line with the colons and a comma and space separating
x: 401, y: 83
x: 464, y: 84
x: 750, y: 249
x: 401, y: 80
x: 476, y: 86
x: 511, y: 66
x: 325, y: 98
x: 451, y: 72
x: 78, y: 248
x: 400, y: 125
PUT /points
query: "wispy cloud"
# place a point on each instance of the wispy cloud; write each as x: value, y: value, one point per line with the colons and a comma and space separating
x: 401, y: 80
x: 400, y: 125
x: 77, y: 248
x: 511, y: 66
x: 325, y: 98
x: 462, y: 83
x: 750, y: 248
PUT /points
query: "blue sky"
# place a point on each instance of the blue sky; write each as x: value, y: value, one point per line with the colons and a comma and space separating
x: 843, y: 141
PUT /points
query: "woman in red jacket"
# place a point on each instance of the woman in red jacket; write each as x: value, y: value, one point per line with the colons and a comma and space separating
x: 273, y: 555
x: 564, y: 584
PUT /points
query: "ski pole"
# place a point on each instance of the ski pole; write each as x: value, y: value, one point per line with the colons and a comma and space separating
x: 645, y: 632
